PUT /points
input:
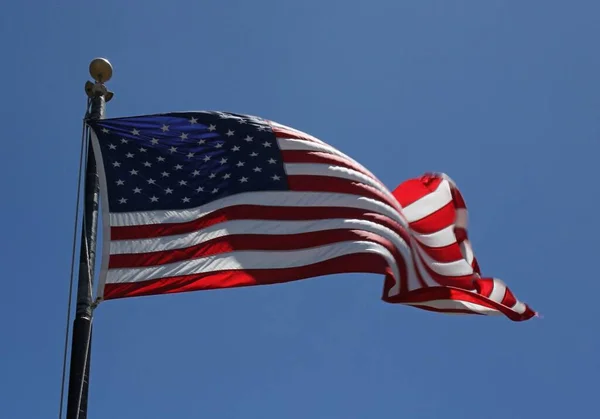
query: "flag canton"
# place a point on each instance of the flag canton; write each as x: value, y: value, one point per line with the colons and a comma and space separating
x: 184, y: 160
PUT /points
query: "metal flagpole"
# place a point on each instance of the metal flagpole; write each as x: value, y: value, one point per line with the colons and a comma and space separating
x: 101, y: 72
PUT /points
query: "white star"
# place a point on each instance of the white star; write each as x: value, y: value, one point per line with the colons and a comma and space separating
x: 117, y: 164
x: 215, y: 190
x: 223, y: 160
x: 183, y: 136
x: 154, y: 141
x: 135, y: 132
x: 242, y: 121
x: 153, y: 199
x: 165, y: 174
x: 257, y: 169
x: 195, y: 172
x: 190, y: 155
x: 124, y: 141
x: 147, y: 164
x: 178, y: 167
x: 240, y: 164
x: 160, y: 158
x: 165, y: 128
x: 168, y: 190
x: 261, y: 128
x: 122, y: 200
x: 142, y: 149
x: 133, y: 172
x: 112, y: 146
x: 182, y: 182
x: 206, y: 158
x: 173, y: 150
x: 137, y: 190
x: 120, y: 182
x: 151, y: 181
x: 248, y: 138
x: 243, y: 179
x: 200, y: 142
x: 129, y: 155
x: 254, y: 154
x: 211, y: 127
x: 219, y: 145
x: 200, y: 189
x: 105, y: 130
x: 235, y: 148
x: 275, y: 177
x: 193, y: 121
x: 186, y: 199
x: 230, y: 133
x: 226, y: 176
x: 272, y: 161
x: 266, y: 144
x: 212, y: 176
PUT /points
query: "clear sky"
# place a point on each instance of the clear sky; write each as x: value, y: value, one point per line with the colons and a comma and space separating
x: 501, y: 95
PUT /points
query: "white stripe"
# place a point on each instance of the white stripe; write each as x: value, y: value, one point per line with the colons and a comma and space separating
x: 303, y: 145
x: 467, y: 251
x: 244, y: 260
x: 429, y: 281
x: 428, y: 204
x: 441, y: 238
x: 455, y: 268
x: 446, y: 177
x: 461, y: 218
x: 274, y: 227
x: 519, y: 307
x: 250, y: 227
x: 498, y: 291
x: 458, y: 305
x: 265, y: 198
x: 318, y: 169
x: 296, y: 131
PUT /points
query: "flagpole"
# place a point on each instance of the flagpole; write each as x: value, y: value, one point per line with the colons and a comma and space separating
x: 101, y: 72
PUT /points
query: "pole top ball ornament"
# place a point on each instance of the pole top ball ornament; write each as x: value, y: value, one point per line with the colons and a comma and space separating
x: 101, y: 71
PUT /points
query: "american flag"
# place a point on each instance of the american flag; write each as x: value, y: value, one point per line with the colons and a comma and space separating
x: 208, y: 200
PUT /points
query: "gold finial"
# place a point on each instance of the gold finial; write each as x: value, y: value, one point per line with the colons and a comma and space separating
x: 101, y: 71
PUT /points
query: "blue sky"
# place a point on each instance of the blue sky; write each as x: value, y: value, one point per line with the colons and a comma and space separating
x: 501, y: 95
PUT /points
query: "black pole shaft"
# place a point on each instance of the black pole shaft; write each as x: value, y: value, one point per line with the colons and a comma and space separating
x: 82, y: 325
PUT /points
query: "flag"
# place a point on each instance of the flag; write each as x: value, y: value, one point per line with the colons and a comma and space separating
x: 211, y: 200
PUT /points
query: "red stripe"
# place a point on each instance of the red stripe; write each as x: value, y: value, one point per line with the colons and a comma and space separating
x: 457, y: 197
x: 412, y: 190
x: 363, y: 263
x: 509, y: 298
x: 435, y: 221
x: 252, y: 242
x: 409, y: 191
x: 281, y: 132
x: 422, y: 282
x: 431, y: 181
x: 450, y: 253
x: 446, y: 310
x: 302, y: 183
x: 253, y: 212
x: 462, y: 281
x: 238, y: 212
x: 318, y: 157
x: 484, y: 286
x: 448, y: 293
x: 461, y: 234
